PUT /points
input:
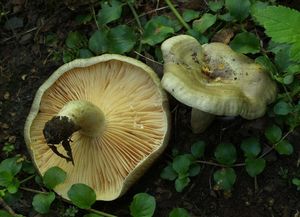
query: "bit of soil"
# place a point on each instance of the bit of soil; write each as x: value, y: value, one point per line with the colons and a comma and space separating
x: 26, y: 62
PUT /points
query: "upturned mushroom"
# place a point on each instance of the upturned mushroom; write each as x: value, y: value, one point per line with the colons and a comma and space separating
x: 214, y: 80
x: 108, y: 115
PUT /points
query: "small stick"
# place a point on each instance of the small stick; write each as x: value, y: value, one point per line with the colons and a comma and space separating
x: 7, y: 207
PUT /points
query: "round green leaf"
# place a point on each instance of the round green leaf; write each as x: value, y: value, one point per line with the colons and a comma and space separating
x: 5, y: 178
x: 181, y: 183
x: 296, y: 182
x: 181, y: 163
x: 158, y: 29
x: 245, y: 42
x: 121, y: 39
x: 42, y: 202
x: 238, y: 9
x: 206, y: 21
x: 143, y: 205
x: 168, y: 173
x: 110, y: 11
x: 225, y: 178
x: 179, y: 212
x: 273, y: 133
x: 75, y: 40
x: 11, y: 165
x: 282, y: 108
x: 13, y: 186
x: 53, y: 177
x: 288, y: 79
x: 251, y: 147
x: 197, y: 149
x: 98, y: 42
x: 284, y: 148
x: 215, y: 5
x: 225, y: 153
x: 82, y: 195
x: 85, y: 53
x: 189, y: 15
x: 255, y: 166
x: 194, y: 170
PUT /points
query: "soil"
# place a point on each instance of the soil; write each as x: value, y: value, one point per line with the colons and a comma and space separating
x: 26, y: 62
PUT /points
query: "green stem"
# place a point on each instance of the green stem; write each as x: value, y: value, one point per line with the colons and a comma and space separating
x: 26, y: 179
x: 94, y: 16
x: 33, y: 190
x: 100, y: 212
x: 136, y: 16
x: 178, y: 16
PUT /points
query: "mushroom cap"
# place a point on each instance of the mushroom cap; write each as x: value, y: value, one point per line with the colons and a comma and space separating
x: 215, y: 79
x: 137, y: 123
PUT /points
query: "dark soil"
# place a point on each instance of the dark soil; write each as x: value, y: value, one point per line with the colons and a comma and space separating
x: 26, y: 62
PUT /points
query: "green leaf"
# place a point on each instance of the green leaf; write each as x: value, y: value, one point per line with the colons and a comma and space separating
x: 181, y: 163
x: 110, y: 11
x: 288, y: 79
x: 282, y: 108
x: 267, y: 64
x: 53, y: 177
x: 197, y: 35
x: 158, y: 29
x: 225, y: 153
x: 98, y: 42
x: 181, y: 183
x: 226, y: 17
x: 194, y: 170
x: 42, y: 202
x: 168, y: 173
x: 5, y: 214
x: 76, y: 40
x: 282, y: 25
x: 197, y: 149
x: 225, y: 178
x: 11, y: 165
x: 121, y: 39
x: 82, y: 195
x: 273, y: 133
x: 282, y: 58
x: 179, y: 212
x: 284, y: 148
x: 143, y: 205
x: 189, y: 15
x: 5, y: 178
x: 215, y: 5
x: 296, y: 182
x: 255, y: 166
x: 28, y: 167
x: 238, y: 9
x: 245, y: 42
x: 206, y: 21
x: 13, y: 23
x: 69, y: 55
x: 13, y: 187
x: 85, y: 53
x: 83, y: 18
x: 251, y: 147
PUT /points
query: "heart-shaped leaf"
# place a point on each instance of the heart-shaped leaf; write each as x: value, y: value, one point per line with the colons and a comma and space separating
x: 82, y: 195
x: 53, y: 177
x: 225, y: 178
x: 42, y: 202
x: 255, y: 166
x: 143, y: 205
x: 225, y: 153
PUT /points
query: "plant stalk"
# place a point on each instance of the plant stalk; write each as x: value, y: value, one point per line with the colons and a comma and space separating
x: 176, y: 13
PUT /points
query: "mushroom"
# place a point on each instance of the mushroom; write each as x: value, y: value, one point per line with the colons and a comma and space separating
x: 214, y: 80
x: 107, y: 114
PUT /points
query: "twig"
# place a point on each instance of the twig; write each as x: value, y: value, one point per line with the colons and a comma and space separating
x: 147, y: 58
x: 136, y: 17
x: 94, y: 16
x: 177, y: 15
x: 219, y: 165
x: 7, y: 207
x: 26, y: 179
x: 33, y: 190
x: 100, y: 212
x: 19, y: 34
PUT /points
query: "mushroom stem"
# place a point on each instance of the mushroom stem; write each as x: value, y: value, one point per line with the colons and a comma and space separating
x: 200, y: 120
x: 78, y: 115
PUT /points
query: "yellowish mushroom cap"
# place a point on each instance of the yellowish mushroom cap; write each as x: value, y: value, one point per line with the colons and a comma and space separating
x: 215, y: 79
x: 135, y: 132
